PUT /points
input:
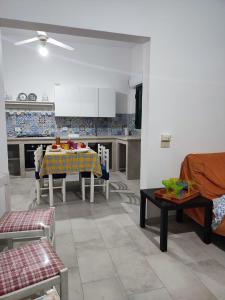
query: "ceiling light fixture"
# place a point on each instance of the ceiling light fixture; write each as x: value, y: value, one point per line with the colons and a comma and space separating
x: 43, y: 51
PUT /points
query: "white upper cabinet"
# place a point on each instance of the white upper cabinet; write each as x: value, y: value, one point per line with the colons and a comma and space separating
x: 88, y: 98
x: 76, y: 101
x: 106, y: 102
x: 84, y: 102
x: 66, y: 101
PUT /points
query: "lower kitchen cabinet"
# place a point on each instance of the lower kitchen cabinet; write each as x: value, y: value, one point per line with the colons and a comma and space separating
x: 14, y: 160
x: 124, y: 153
x: 128, y: 158
x: 122, y: 158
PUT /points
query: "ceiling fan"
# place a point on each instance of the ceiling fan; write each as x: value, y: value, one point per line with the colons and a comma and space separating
x: 44, y: 39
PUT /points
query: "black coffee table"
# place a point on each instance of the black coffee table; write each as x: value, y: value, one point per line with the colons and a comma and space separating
x: 165, y: 206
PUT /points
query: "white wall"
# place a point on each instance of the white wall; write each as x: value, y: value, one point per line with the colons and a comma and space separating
x: 90, y: 64
x: 187, y: 68
x: 3, y: 144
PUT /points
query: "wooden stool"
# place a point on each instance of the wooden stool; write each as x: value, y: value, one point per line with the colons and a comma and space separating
x: 31, y: 269
x: 31, y: 224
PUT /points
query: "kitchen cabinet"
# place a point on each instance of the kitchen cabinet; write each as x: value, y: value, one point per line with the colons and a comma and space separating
x: 76, y: 101
x: 88, y: 101
x: 14, y: 159
x: 84, y: 102
x: 128, y: 157
x: 65, y: 101
x: 106, y: 102
x: 124, y: 152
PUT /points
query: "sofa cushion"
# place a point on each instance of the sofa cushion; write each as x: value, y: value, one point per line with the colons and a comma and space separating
x: 207, y: 171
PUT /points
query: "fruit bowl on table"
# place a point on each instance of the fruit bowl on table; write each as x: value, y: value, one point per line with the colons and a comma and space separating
x: 55, y: 148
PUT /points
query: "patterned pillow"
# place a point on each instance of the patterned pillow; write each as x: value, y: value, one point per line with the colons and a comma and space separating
x: 219, y: 211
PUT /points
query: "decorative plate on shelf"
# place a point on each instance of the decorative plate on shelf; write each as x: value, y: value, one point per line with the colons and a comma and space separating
x: 32, y: 97
x: 22, y: 97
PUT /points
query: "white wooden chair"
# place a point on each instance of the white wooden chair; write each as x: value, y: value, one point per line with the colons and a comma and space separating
x: 100, y: 151
x: 103, y: 181
x: 38, y: 157
x: 31, y: 269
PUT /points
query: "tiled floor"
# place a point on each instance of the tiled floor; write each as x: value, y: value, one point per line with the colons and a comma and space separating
x: 110, y: 258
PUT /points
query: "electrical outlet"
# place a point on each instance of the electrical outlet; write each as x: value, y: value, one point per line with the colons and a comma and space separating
x: 165, y: 144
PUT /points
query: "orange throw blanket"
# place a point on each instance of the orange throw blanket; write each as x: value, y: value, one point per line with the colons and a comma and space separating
x: 208, y: 173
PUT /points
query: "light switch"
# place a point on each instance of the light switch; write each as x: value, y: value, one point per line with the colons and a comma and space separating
x: 165, y: 140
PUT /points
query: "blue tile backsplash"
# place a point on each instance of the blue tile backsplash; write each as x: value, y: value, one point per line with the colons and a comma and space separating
x: 30, y: 123
x: 45, y: 123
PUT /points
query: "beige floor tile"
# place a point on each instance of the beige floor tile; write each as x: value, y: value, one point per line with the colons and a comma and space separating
x: 95, y: 265
x: 159, y: 294
x: 114, y: 235
x: 82, y: 222
x: 213, y: 251
x: 84, y: 229
x: 66, y: 250
x: 74, y: 285
x: 86, y: 234
x: 146, y: 245
x: 93, y: 244
x: 186, y: 250
x: 133, y: 270
x: 178, y: 279
x: 123, y: 219
x: 107, y: 289
x: 63, y: 227
x: 212, y: 274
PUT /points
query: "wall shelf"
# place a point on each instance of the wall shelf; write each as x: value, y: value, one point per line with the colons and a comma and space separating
x: 28, y: 105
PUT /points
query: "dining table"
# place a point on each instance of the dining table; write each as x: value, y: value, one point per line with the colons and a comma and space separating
x: 68, y: 162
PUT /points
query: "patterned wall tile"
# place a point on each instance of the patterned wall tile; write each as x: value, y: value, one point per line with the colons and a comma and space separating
x: 45, y: 123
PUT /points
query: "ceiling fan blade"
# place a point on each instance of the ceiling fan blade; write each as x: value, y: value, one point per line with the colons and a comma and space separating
x: 41, y: 33
x: 59, y: 44
x: 26, y: 41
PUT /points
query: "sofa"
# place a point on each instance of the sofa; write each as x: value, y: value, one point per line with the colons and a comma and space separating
x: 207, y: 171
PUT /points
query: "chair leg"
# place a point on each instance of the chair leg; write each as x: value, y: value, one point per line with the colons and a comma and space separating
x: 83, y: 188
x: 107, y: 190
x: 80, y: 178
x: 10, y: 243
x: 64, y: 284
x: 47, y: 233
x: 64, y: 189
x: 104, y: 185
x: 52, y: 228
x: 51, y: 200
x: 92, y: 188
x: 38, y: 190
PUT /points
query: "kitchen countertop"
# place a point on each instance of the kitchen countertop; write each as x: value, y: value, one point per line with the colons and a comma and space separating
x: 92, y: 137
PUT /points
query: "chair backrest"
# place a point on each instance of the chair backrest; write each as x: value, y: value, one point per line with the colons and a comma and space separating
x: 105, y: 159
x: 100, y: 152
x: 38, y: 156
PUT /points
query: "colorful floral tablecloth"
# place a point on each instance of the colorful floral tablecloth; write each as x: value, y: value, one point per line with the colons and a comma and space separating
x: 69, y: 163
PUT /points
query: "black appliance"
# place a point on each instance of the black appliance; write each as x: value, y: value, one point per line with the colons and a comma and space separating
x: 29, y: 154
